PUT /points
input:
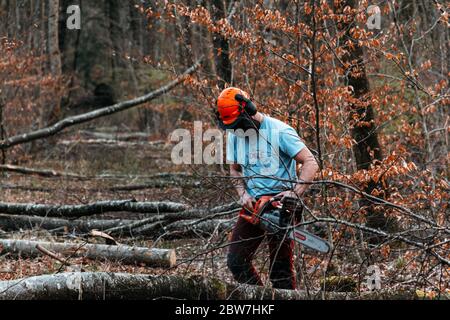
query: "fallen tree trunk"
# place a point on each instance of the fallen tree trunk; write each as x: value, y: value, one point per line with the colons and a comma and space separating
x: 117, y: 227
x: 40, y: 172
x: 50, y: 173
x: 116, y: 286
x: 117, y: 135
x: 85, y: 117
x: 16, y: 222
x: 124, y: 227
x: 183, y: 229
x: 28, y: 188
x: 110, y: 143
x: 162, y: 175
x: 197, y: 228
x: 153, y: 224
x: 125, y: 254
x: 120, y: 188
x: 156, y: 184
x: 75, y: 211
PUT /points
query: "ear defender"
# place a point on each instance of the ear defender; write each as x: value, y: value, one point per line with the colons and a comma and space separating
x: 248, y: 105
x: 218, y: 119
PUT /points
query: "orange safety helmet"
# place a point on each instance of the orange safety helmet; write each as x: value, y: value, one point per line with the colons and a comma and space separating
x: 231, y: 104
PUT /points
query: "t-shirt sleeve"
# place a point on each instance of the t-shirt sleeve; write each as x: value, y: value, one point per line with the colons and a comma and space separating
x: 290, y: 142
x: 231, y: 148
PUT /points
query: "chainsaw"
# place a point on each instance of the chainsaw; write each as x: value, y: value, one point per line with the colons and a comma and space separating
x: 275, y: 216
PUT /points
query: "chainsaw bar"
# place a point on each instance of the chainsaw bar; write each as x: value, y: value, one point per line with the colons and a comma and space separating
x: 271, y: 221
x: 309, y: 240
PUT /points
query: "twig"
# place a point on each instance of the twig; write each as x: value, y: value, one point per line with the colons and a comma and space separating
x: 52, y: 255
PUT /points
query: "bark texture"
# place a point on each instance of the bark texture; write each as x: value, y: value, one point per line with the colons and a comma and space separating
x: 125, y: 254
x: 17, y: 222
x: 75, y: 211
x: 367, y: 148
x: 221, y: 47
x: 116, y: 286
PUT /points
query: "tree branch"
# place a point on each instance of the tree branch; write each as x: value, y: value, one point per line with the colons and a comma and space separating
x: 85, y: 117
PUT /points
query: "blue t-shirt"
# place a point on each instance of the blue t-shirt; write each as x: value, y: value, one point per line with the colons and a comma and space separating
x: 266, y: 157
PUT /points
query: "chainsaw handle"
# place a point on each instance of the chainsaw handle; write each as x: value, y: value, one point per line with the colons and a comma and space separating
x: 283, y: 199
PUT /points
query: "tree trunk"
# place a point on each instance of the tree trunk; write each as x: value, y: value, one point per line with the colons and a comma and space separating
x: 2, y: 131
x: 367, y: 148
x: 125, y: 254
x: 75, y: 211
x: 55, y: 57
x: 53, y: 38
x: 116, y: 286
x: 221, y: 47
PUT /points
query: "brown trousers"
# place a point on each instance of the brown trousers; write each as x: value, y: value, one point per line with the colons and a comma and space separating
x: 245, y: 240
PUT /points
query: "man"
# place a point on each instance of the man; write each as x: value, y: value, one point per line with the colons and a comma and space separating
x: 265, y: 154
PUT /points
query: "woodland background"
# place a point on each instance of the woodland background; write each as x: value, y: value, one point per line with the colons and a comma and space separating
x: 372, y: 105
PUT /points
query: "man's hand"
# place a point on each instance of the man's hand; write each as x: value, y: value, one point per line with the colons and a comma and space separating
x: 287, y: 194
x: 247, y: 201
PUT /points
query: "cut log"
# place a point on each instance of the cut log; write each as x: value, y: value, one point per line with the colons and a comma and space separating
x: 15, y: 222
x: 125, y: 254
x: 75, y: 211
x: 116, y: 286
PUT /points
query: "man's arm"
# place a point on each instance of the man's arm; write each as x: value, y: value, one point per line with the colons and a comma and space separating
x: 308, y: 171
x: 245, y: 198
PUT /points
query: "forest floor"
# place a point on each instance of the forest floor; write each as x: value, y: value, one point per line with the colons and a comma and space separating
x: 112, y: 166
x: 130, y: 165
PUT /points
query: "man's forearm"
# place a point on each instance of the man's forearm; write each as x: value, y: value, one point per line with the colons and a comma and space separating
x: 307, y: 174
x: 237, y: 181
x: 246, y: 200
